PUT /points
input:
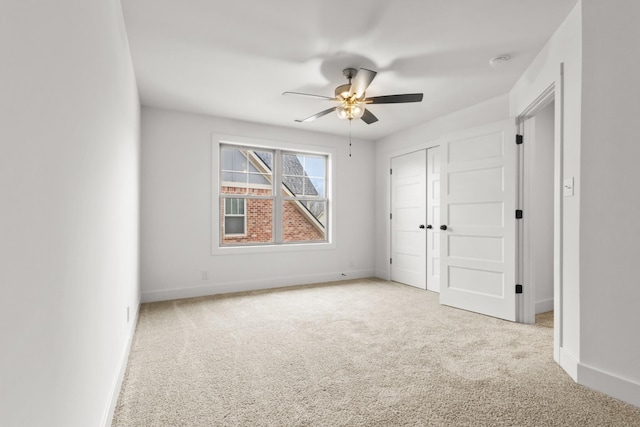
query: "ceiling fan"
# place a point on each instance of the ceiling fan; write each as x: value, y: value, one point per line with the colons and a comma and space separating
x: 352, y: 97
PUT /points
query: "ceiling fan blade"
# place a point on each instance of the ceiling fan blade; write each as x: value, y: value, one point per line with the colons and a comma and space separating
x: 317, y: 116
x: 368, y: 117
x: 361, y: 82
x: 309, y: 95
x: 395, y: 99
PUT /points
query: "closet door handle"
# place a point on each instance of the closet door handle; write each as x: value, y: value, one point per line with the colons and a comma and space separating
x: 429, y: 226
x: 443, y: 227
x: 421, y: 226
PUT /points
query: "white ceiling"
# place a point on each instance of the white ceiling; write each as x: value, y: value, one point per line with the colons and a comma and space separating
x: 234, y: 58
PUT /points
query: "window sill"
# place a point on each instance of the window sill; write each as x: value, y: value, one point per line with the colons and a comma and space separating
x: 294, y: 247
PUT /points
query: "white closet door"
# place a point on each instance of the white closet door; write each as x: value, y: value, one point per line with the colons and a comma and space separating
x: 433, y: 219
x: 408, y: 215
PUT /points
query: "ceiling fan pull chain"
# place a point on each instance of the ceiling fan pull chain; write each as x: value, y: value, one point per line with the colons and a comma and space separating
x: 350, y: 137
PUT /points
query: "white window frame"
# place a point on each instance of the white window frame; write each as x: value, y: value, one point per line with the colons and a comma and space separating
x: 284, y: 147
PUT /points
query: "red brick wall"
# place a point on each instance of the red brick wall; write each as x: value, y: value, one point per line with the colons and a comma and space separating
x: 259, y: 214
x: 296, y: 226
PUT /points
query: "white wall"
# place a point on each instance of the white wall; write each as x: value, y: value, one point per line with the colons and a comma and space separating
x: 596, y: 105
x: 176, y: 214
x: 69, y: 137
x: 419, y: 137
x: 610, y: 199
x: 562, y: 51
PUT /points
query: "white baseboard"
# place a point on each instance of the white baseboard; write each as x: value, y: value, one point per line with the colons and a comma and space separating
x: 607, y: 383
x: 252, y: 285
x: 596, y: 379
x: 544, y: 305
x: 383, y: 274
x: 107, y: 417
x: 569, y: 363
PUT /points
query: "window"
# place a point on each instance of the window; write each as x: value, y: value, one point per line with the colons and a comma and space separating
x: 272, y: 196
x: 234, y: 218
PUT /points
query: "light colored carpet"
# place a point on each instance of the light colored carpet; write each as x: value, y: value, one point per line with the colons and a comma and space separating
x: 545, y: 319
x: 360, y: 353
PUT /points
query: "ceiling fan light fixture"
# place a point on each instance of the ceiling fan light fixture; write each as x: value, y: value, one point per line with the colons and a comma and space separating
x: 357, y: 110
x: 342, y: 112
x: 350, y: 110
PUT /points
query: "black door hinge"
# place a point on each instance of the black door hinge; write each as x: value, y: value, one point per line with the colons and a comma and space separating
x: 390, y: 260
x: 390, y: 171
x: 519, y: 139
x: 518, y: 289
x: 390, y: 216
x: 518, y: 213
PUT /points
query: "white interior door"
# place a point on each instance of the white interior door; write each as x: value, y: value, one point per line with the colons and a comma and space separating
x: 433, y: 219
x: 408, y: 214
x: 478, y: 202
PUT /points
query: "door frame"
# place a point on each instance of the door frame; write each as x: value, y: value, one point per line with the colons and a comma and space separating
x: 527, y: 302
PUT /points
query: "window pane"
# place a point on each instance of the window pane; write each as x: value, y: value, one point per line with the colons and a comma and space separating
x: 314, y: 166
x: 266, y: 158
x: 291, y: 165
x: 316, y: 188
x: 304, y: 221
x: 233, y: 206
x: 292, y: 185
x: 246, y: 171
x: 235, y: 177
x: 258, y: 217
x: 233, y: 159
x: 234, y: 225
x: 262, y: 179
x: 304, y: 175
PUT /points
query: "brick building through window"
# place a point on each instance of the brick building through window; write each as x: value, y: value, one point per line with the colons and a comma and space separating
x: 252, y: 211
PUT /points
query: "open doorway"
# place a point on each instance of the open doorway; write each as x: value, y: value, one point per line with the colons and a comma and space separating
x: 539, y: 177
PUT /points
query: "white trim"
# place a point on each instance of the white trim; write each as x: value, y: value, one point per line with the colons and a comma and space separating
x: 610, y: 384
x: 568, y: 362
x: 544, y: 305
x: 269, y: 248
x: 112, y: 401
x: 252, y: 285
x: 555, y: 92
x: 383, y: 274
x: 526, y: 127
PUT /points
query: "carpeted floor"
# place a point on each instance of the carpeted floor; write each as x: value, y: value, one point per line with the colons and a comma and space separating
x: 545, y: 319
x: 359, y: 353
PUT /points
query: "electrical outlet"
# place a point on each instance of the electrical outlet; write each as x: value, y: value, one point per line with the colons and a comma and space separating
x: 205, y: 275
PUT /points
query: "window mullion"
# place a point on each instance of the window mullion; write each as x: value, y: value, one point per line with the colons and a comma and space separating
x: 277, y: 197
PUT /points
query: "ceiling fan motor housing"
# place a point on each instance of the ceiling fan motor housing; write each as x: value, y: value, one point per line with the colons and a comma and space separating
x: 342, y: 91
x: 349, y: 73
